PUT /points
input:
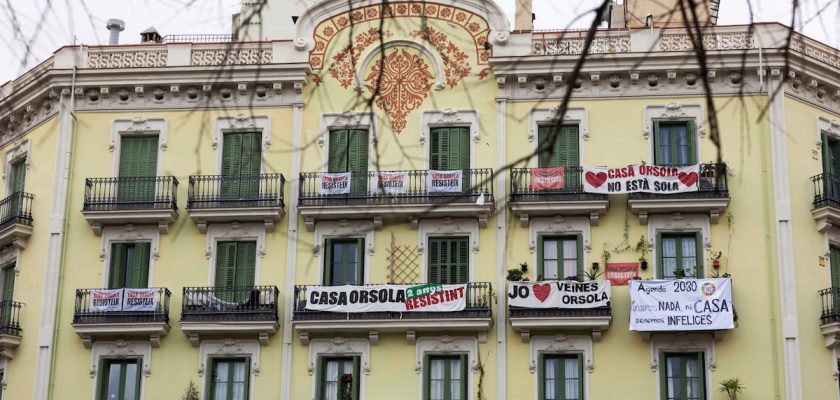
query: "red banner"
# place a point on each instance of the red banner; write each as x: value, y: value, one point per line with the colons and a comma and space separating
x: 548, y: 178
x: 620, y: 273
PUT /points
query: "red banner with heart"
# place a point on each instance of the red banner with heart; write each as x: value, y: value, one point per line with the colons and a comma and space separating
x: 641, y: 179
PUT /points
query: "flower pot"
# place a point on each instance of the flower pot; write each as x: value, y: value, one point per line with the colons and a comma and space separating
x: 716, y: 264
x: 595, y: 266
x: 644, y: 265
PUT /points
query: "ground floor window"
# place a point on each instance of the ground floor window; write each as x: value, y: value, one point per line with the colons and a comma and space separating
x: 119, y: 379
x: 683, y: 376
x: 445, y: 377
x: 561, y: 377
x: 230, y: 379
x: 338, y: 378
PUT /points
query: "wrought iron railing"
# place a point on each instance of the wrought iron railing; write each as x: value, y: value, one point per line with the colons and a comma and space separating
x: 10, y: 318
x: 200, y: 38
x: 366, y: 189
x: 712, y: 183
x: 252, y: 303
x: 221, y: 191
x: 826, y: 190
x: 16, y: 209
x: 85, y: 313
x: 521, y: 312
x: 479, y: 297
x: 830, y: 299
x: 571, y: 188
x: 131, y: 193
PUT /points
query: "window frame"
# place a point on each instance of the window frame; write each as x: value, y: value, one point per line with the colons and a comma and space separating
x: 663, y: 372
x: 541, y: 238
x: 113, y: 259
x: 104, y: 367
x: 691, y: 132
x: 427, y: 373
x: 328, y: 264
x: 211, y: 382
x: 541, y: 378
x: 430, y: 265
x: 699, y: 269
x: 321, y: 383
x: 573, y: 131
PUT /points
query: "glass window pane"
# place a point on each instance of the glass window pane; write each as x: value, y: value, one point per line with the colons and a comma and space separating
x: 552, y: 366
x: 113, y: 390
x: 689, y: 255
x: 131, y: 381
x: 669, y: 247
x: 550, y: 250
x: 572, y: 370
x: 550, y: 270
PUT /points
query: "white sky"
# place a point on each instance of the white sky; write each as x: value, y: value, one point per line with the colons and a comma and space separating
x: 43, y: 26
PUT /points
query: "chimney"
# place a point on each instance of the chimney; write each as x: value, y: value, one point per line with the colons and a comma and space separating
x: 150, y: 35
x: 524, y: 15
x: 115, y: 26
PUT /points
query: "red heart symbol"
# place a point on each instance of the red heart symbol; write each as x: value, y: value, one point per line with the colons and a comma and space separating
x: 688, y: 179
x: 596, y: 180
x: 541, y: 291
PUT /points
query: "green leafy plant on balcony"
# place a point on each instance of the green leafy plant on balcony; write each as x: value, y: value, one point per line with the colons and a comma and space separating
x: 191, y: 393
x: 732, y: 387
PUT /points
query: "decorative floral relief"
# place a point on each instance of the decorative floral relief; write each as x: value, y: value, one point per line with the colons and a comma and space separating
x: 404, y: 84
x: 346, y: 61
x: 456, y: 64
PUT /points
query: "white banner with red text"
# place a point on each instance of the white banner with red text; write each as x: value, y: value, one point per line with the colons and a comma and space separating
x: 641, y: 179
x: 128, y: 299
x: 559, y: 294
x: 334, y: 183
x: 383, y: 298
x: 681, y: 305
x: 444, y: 181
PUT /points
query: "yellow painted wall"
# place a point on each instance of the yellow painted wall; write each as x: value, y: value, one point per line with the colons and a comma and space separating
x: 29, y: 283
x: 182, y: 259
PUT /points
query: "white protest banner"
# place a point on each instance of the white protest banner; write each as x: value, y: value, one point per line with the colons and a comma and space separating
x: 641, y: 179
x: 140, y: 299
x: 377, y: 298
x: 391, y: 182
x: 334, y: 183
x: 444, y: 181
x: 681, y: 305
x: 106, y: 300
x: 559, y: 294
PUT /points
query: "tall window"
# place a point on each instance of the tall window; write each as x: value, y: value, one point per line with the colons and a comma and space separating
x: 831, y: 155
x: 349, y: 153
x: 338, y: 378
x: 559, y: 147
x: 129, y: 265
x: 450, y: 150
x: 683, y: 376
x: 344, y: 264
x: 8, y: 295
x: 230, y: 379
x: 119, y: 380
x: 235, y: 270
x: 679, y: 256
x: 138, y: 159
x: 674, y: 143
x: 559, y: 257
x: 561, y: 377
x: 445, y: 377
x: 17, y: 184
x: 449, y: 260
x: 241, y: 158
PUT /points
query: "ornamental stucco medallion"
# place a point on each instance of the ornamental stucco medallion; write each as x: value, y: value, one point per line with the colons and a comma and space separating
x: 399, y: 84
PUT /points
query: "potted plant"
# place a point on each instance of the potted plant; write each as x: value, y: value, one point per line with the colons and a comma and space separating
x: 732, y: 387
x: 191, y: 393
x: 714, y: 256
x: 679, y: 273
x: 515, y: 275
x: 642, y: 247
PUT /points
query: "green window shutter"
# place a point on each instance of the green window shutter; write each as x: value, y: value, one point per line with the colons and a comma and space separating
x: 427, y: 366
x: 548, y: 156
x: 137, y: 273
x: 322, y: 378
x: 438, y: 146
x: 251, y: 160
x: 357, y: 160
x: 464, y: 376
x: 580, y: 256
x: 657, y: 144
x: 435, y: 261
x: 356, y: 377
x: 699, y: 272
x: 338, y: 151
x: 463, y: 259
x: 540, y: 258
x: 18, y: 175
x: 360, y: 261
x: 116, y: 274
x: 328, y: 262
x: 541, y: 376
x: 246, y: 255
x: 8, y: 283
x: 660, y: 270
x: 571, y: 155
x: 241, y: 157
x: 225, y: 270
x: 449, y: 260
x: 691, y: 131
x: 138, y: 158
x: 449, y: 149
x: 834, y: 260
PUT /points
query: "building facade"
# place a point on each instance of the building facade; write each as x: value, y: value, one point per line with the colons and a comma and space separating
x: 269, y: 200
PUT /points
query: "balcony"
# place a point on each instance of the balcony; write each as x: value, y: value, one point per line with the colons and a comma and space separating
x: 219, y: 198
x: 131, y: 200
x: 476, y: 317
x: 119, y: 313
x: 410, y: 200
x: 16, y: 219
x: 826, y: 206
x: 711, y: 197
x: 528, y: 200
x: 243, y: 311
x: 9, y: 328
x: 830, y: 316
